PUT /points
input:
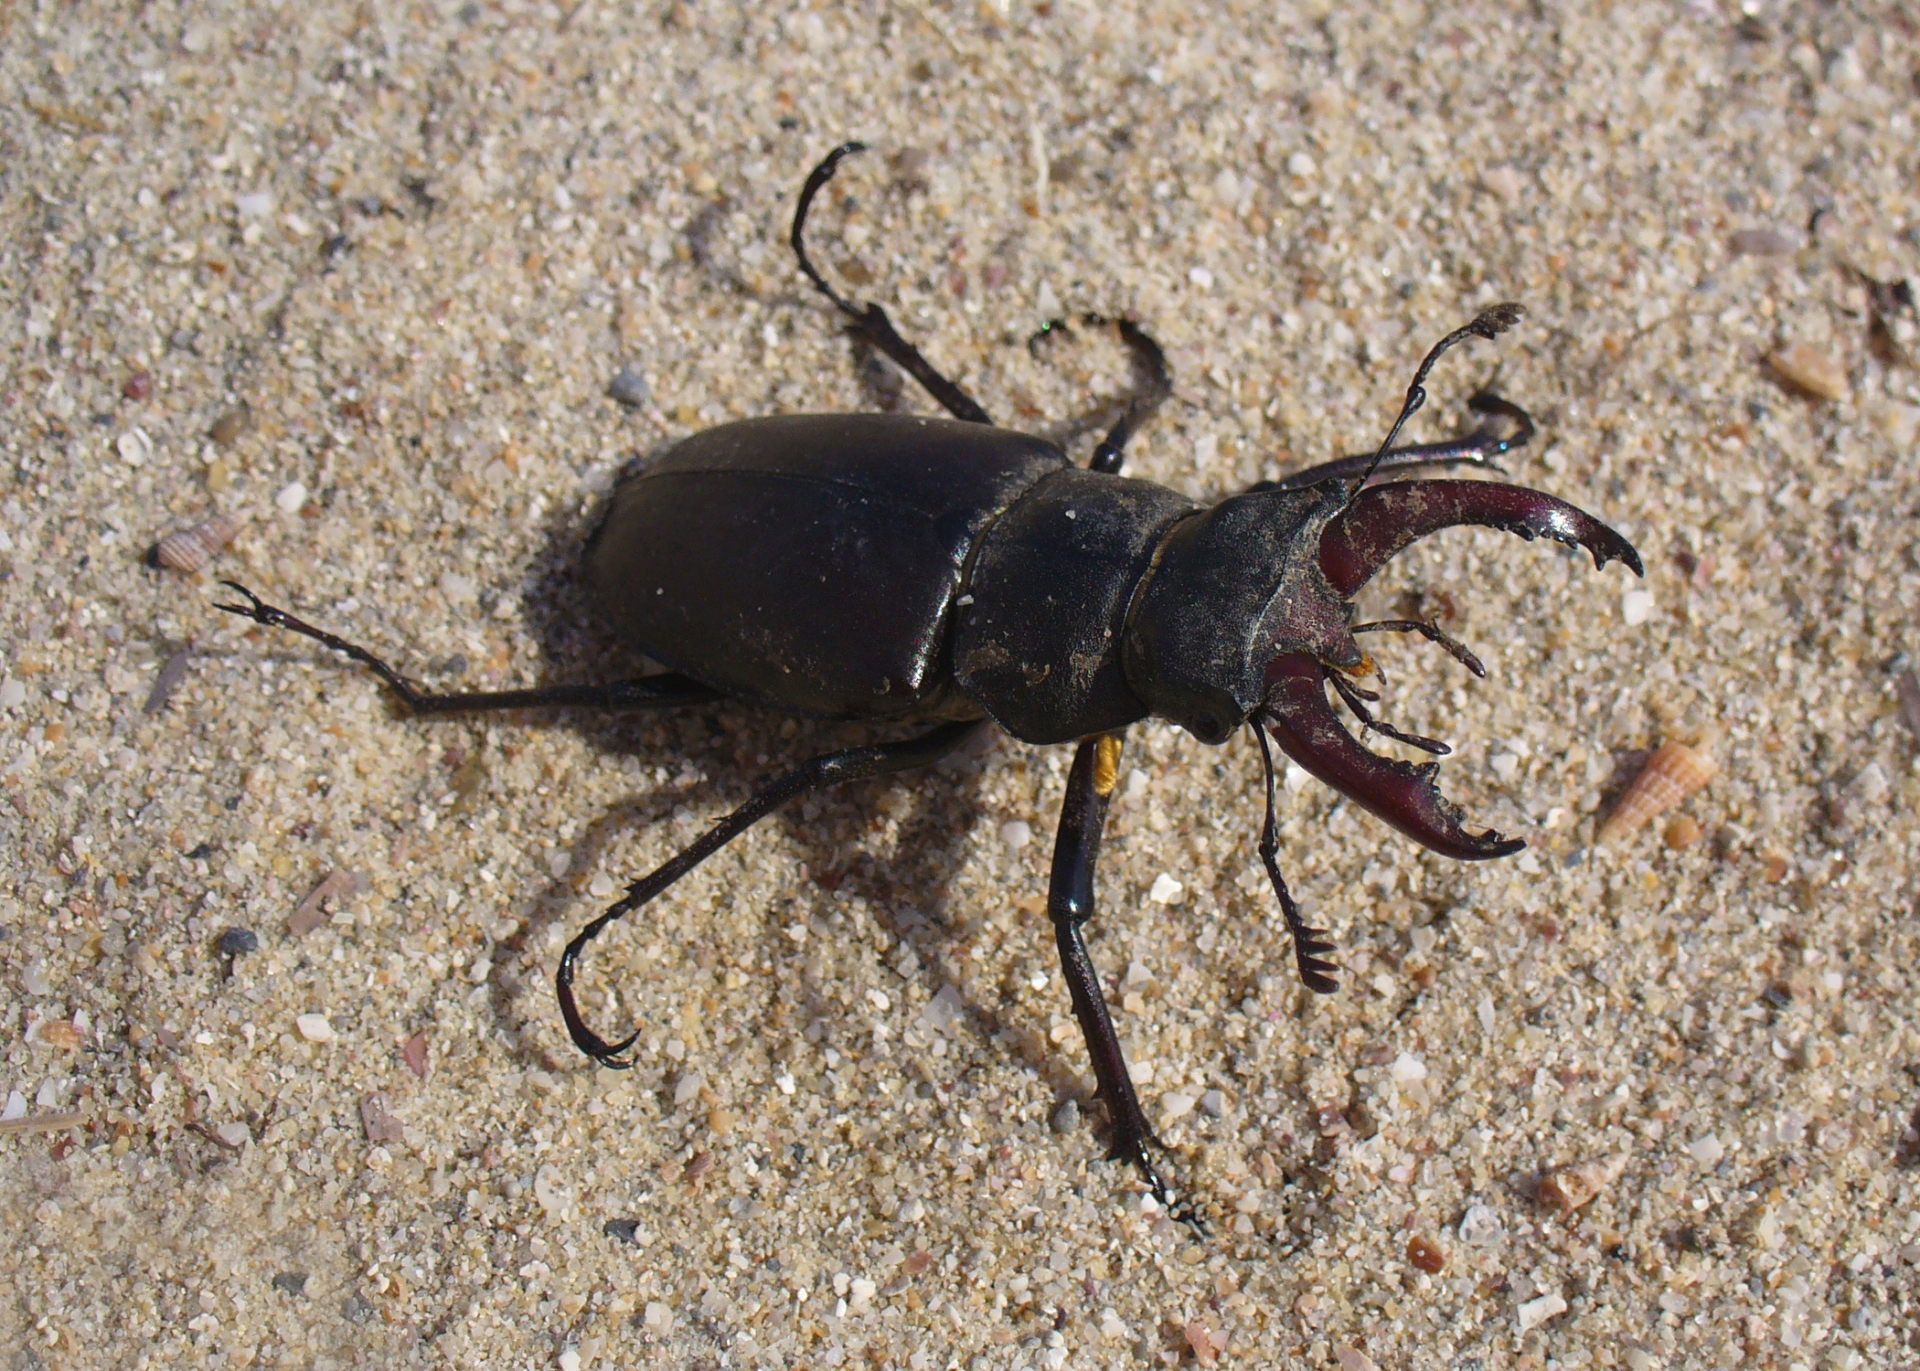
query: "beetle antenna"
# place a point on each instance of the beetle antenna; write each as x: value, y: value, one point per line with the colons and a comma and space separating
x: 1310, y: 945
x: 1432, y: 633
x: 1489, y: 323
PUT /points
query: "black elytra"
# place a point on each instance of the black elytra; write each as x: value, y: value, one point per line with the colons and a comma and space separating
x: 947, y: 573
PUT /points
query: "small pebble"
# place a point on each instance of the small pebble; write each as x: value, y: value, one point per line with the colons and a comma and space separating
x: 1407, y: 1068
x: 1871, y: 785
x: 1165, y: 890
x: 315, y: 1028
x: 1353, y: 1359
x: 1302, y: 165
x: 621, y: 1230
x: 13, y: 693
x: 1636, y: 607
x: 167, y: 680
x: 1480, y: 1226
x: 1214, y: 1103
x: 229, y: 426
x: 34, y: 980
x: 1906, y: 687
x: 1762, y: 242
x: 1426, y: 1254
x: 1207, y: 1343
x: 1682, y: 832
x: 1504, y: 182
x: 1811, y: 372
x: 293, y: 1283
x: 1016, y: 833
x: 381, y: 1126
x: 1707, y: 1150
x: 138, y: 386
x: 1537, y: 1311
x: 1573, y: 1186
x: 1201, y: 277
x: 134, y: 447
x: 237, y: 942
x: 1177, y: 1104
x: 630, y: 388
x: 233, y: 1134
x: 291, y: 497
x: 413, y: 1053
x: 1067, y: 1117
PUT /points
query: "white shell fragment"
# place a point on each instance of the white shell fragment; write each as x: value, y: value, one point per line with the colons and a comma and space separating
x: 1572, y: 1186
x: 1811, y: 372
x: 315, y: 1028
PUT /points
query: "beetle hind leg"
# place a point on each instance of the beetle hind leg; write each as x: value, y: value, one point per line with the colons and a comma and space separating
x: 819, y: 773
x: 1153, y: 384
x: 645, y: 692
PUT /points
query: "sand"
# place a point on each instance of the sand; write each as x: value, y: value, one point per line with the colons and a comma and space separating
x: 361, y: 276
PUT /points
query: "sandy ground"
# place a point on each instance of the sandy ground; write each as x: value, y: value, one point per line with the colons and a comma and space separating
x: 361, y: 274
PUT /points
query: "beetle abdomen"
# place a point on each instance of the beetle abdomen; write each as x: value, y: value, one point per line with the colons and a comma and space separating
x: 1039, y: 645
x: 809, y: 562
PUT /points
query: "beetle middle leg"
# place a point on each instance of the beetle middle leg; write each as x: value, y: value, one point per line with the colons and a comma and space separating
x: 872, y: 322
x: 1156, y: 385
x: 1076, y: 850
x: 665, y: 691
x: 829, y: 769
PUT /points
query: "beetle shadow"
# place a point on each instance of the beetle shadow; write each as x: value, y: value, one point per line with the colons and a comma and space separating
x: 732, y: 748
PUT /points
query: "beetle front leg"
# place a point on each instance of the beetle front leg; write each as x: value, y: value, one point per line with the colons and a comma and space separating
x: 1090, y: 785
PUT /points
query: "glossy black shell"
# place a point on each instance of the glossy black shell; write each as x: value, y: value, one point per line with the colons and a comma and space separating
x: 878, y: 566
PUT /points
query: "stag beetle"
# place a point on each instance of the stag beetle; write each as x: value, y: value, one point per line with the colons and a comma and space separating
x: 949, y: 573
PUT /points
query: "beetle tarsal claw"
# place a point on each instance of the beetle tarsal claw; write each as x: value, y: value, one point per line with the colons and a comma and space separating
x: 1406, y: 796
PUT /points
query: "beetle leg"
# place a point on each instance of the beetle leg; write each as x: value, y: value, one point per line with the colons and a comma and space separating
x: 1076, y: 850
x: 1478, y: 448
x: 872, y: 322
x: 663, y: 691
x: 1150, y: 364
x: 1310, y: 945
x: 829, y: 769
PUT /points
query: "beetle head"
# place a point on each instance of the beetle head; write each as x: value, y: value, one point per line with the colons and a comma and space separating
x: 1353, y: 545
x: 1232, y: 587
